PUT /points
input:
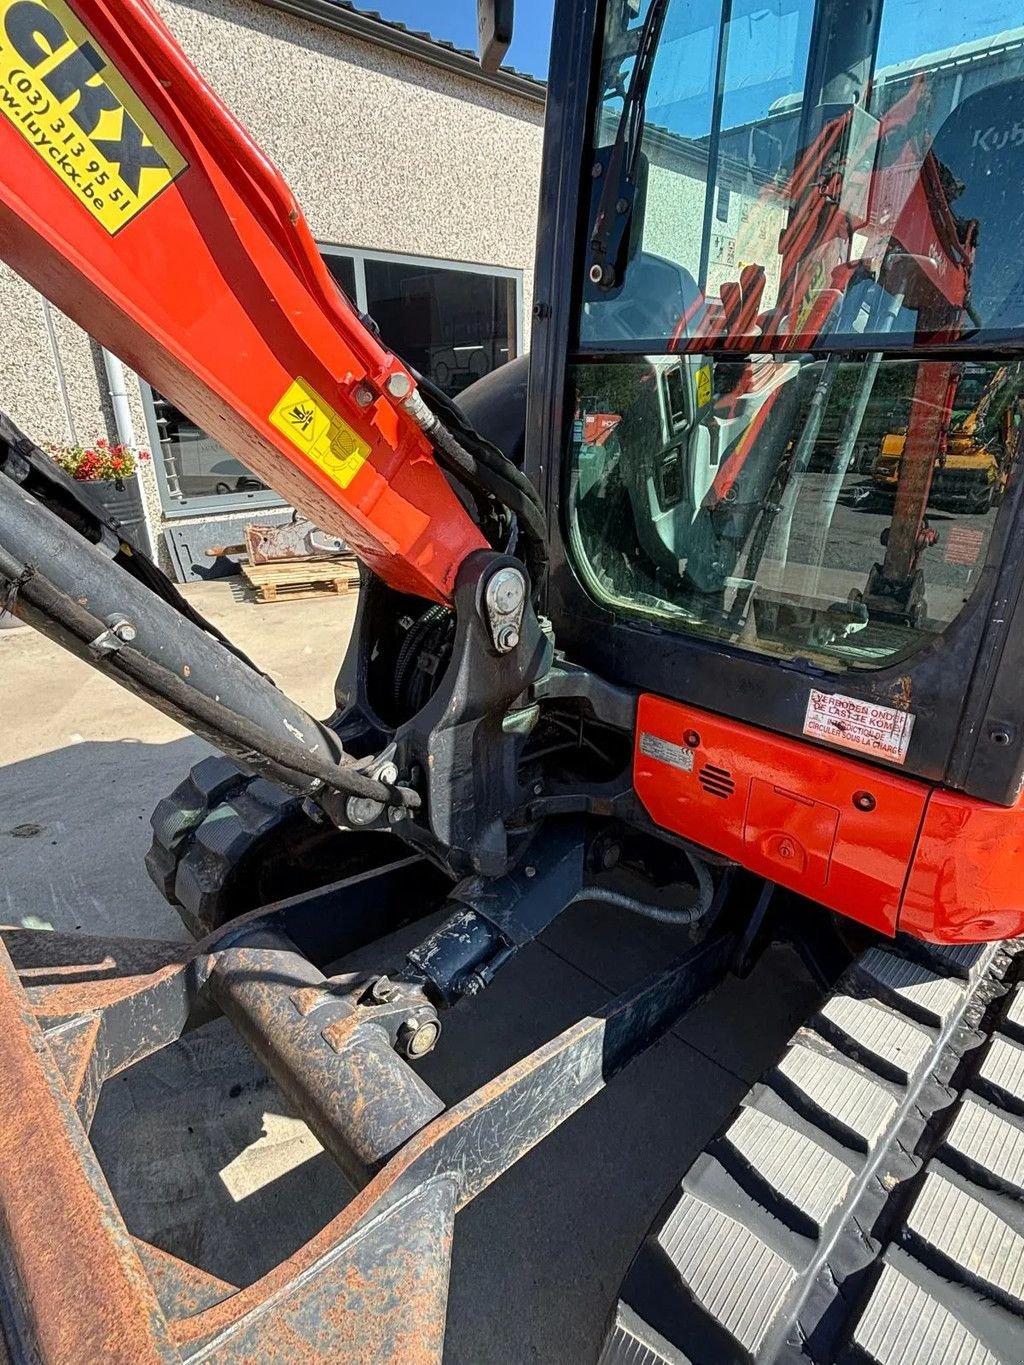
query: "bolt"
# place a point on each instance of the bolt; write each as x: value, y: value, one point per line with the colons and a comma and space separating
x: 597, y: 170
x: 506, y: 638
x: 530, y: 870
x: 864, y: 801
x: 610, y: 855
x: 416, y: 1038
x: 399, y: 385
x: 124, y: 630
x: 538, y: 789
x: 362, y: 395
x: 622, y: 206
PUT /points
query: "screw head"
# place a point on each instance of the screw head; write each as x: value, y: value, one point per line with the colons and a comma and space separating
x: 530, y: 870
x: 864, y: 801
x: 399, y: 385
x: 362, y: 395
x: 692, y: 739
x: 124, y: 630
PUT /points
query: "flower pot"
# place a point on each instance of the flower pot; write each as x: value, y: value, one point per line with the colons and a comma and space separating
x: 120, y: 501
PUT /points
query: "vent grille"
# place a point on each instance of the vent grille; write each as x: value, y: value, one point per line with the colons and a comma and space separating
x: 716, y: 781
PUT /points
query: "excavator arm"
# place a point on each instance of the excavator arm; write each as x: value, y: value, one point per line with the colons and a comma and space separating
x: 134, y: 201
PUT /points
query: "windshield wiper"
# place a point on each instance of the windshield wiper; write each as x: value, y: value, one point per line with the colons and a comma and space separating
x: 617, y: 166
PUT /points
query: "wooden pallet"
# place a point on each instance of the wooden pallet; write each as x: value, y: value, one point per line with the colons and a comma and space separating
x: 289, y: 578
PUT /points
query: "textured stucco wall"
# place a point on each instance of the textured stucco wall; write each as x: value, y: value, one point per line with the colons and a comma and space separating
x: 381, y: 150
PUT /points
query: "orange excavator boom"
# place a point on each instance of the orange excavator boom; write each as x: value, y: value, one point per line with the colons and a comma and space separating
x: 132, y: 199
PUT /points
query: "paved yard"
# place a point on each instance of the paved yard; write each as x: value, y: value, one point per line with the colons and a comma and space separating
x: 198, y: 1145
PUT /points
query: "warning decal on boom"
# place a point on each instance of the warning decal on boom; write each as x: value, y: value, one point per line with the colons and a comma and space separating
x: 59, y: 90
x: 315, y: 428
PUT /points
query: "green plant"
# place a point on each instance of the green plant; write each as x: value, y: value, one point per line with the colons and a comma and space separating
x: 101, y: 460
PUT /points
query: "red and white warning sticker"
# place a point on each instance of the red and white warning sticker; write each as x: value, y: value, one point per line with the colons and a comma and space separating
x: 881, y: 731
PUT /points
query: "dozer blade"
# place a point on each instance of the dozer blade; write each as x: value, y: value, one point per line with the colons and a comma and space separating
x: 371, y: 1286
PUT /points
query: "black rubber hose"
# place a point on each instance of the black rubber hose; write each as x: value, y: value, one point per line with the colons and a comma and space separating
x: 690, y: 915
x: 486, y: 451
x: 518, y: 494
x: 50, y: 602
x: 410, y: 647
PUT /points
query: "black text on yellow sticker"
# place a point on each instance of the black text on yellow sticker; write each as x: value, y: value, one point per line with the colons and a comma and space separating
x: 76, y: 111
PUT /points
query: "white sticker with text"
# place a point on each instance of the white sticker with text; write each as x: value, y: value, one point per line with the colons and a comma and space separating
x: 881, y: 731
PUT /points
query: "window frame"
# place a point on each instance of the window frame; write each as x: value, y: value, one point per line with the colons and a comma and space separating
x: 175, y: 507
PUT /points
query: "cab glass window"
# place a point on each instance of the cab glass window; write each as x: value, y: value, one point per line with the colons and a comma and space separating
x: 796, y: 393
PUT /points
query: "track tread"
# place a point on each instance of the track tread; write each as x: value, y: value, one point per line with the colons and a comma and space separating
x: 904, y: 1325
x: 202, y: 831
x: 632, y: 1342
x: 806, y: 1176
x: 866, y: 1203
x: 219, y: 843
x: 978, y: 1245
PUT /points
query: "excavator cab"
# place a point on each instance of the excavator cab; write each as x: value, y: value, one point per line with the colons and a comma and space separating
x: 840, y: 258
x: 632, y: 629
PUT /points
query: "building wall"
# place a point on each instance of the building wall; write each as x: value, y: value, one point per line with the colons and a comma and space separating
x: 382, y: 151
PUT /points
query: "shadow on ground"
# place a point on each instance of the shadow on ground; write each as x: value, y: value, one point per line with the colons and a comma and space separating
x: 74, y: 829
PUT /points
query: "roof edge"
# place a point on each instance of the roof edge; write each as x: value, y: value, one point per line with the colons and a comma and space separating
x: 357, y: 25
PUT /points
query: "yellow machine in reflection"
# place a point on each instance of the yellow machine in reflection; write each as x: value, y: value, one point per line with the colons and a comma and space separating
x: 972, y: 466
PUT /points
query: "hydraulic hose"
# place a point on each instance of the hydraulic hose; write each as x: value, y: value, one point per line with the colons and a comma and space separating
x: 503, y: 481
x: 250, y: 742
x: 690, y: 915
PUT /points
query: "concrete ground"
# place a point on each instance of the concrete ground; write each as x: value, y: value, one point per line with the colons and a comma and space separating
x: 203, y: 1153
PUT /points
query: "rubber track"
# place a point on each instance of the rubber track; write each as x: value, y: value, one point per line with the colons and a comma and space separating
x: 202, y: 831
x: 865, y: 1206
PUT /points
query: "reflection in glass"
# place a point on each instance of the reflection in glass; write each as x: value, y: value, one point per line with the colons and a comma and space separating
x: 791, y: 507
x: 787, y: 174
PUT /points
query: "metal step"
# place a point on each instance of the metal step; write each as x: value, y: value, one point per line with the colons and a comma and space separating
x: 866, y: 1203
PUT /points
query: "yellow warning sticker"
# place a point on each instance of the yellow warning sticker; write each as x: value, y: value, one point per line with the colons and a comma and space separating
x: 315, y: 428
x: 59, y: 90
x: 704, y: 386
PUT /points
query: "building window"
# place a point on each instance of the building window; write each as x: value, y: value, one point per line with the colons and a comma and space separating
x: 450, y: 322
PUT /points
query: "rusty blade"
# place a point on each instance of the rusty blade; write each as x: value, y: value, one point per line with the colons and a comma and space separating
x: 74, y: 1290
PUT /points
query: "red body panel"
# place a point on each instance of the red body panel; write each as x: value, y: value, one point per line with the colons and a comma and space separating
x: 212, y: 288
x: 888, y: 851
x: 967, y: 881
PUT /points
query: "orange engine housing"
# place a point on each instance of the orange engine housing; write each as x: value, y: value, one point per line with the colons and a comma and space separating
x: 889, y: 851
